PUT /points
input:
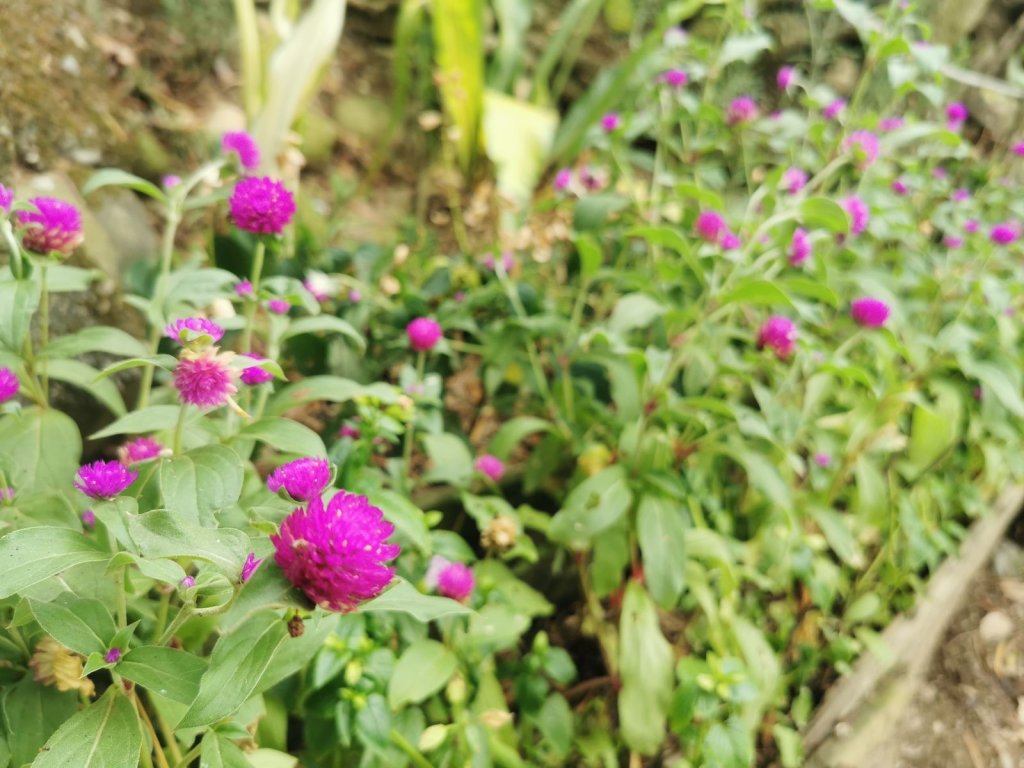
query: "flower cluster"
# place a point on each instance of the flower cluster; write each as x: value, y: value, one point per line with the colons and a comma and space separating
x: 244, y: 147
x: 54, y: 226
x: 261, y: 205
x: 189, y: 330
x: 205, y: 378
x: 778, y: 334
x: 302, y: 479
x: 423, y: 333
x: 454, y: 580
x: 104, y: 479
x: 8, y: 384
x: 139, y: 449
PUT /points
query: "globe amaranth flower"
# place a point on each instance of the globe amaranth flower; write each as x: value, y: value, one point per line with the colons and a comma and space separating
x: 952, y: 241
x: 799, y: 247
x: 244, y: 146
x: 785, y: 77
x: 611, y: 122
x: 491, y: 466
x: 869, y: 312
x: 731, y: 241
x: 302, y: 479
x: 254, y: 374
x: 450, y: 579
x: 899, y: 187
x: 187, y: 583
x: 249, y: 567
x: 423, y: 333
x: 205, y: 379
x: 940, y: 173
x: 320, y: 285
x: 194, y: 329
x: 1004, y: 234
x: 889, y: 124
x: 6, y: 199
x: 794, y: 180
x: 53, y: 227
x: 170, y: 181
x: 960, y: 195
x: 261, y: 205
x: 104, y: 479
x: 562, y: 179
x: 956, y: 115
x: 139, y: 449
x: 88, y: 518
x: 278, y: 306
x: 8, y: 384
x: 1018, y: 149
x: 778, y: 333
x: 859, y: 214
x: 833, y: 109
x: 676, y: 78
x: 863, y: 145
x: 350, y: 431
x: 823, y: 460
x: 336, y: 554
x: 710, y: 226
x: 112, y: 656
x: 741, y: 110
x: 971, y: 226
x: 244, y: 289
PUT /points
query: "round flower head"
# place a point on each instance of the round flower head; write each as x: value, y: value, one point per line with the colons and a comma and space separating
x: 731, y: 241
x: 456, y: 581
x: 960, y: 195
x: 971, y: 226
x: 244, y: 147
x: 956, y: 115
x: 822, y: 460
x: 54, y: 226
x: 785, y: 77
x: 261, y: 205
x: 204, y: 379
x: 139, y: 449
x: 952, y: 241
x: 863, y: 145
x: 899, y: 187
x: 491, y: 466
x: 794, y: 180
x: 351, y: 431
x: 104, y: 479
x: 799, y: 247
x: 8, y: 384
x: 244, y: 289
x: 592, y: 179
x: 741, y: 110
x: 254, y: 374
x: 278, y: 306
x: 562, y: 179
x: 336, y: 554
x: 88, y: 518
x: 302, y: 479
x: 1004, y: 234
x: 170, y: 181
x: 778, y: 334
x: 1018, y: 149
x: 676, y: 78
x: 194, y: 329
x: 112, y: 656
x: 889, y: 124
x: 6, y: 199
x: 859, y: 214
x: 833, y: 109
x: 611, y: 122
x: 869, y: 312
x: 710, y: 226
x: 7, y: 494
x: 320, y: 285
x: 423, y: 333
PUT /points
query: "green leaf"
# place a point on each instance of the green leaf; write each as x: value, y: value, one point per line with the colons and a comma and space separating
x: 161, y: 533
x: 459, y: 52
x: 756, y: 291
x: 496, y: 628
x: 555, y: 722
x: 1000, y: 379
x: 85, y: 626
x: 836, y: 530
x: 408, y: 519
x: 31, y: 555
x: 824, y: 213
x: 512, y: 432
x: 63, y: 278
x: 167, y: 671
x: 155, y: 418
x: 19, y: 301
x: 810, y: 287
x: 198, y: 483
x: 106, y: 734
x: 286, y: 436
x: 166, y: 571
x: 39, y: 449
x: 239, y: 661
x: 934, y: 430
x: 99, y: 338
x: 661, y: 532
x: 167, y: 362
x: 517, y: 137
x: 647, y: 671
x: 451, y: 461
x: 115, y: 177
x: 743, y: 48
x: 220, y: 752
x: 405, y: 598
x: 635, y: 310
x: 763, y: 667
x: 324, y: 323
x: 422, y: 670
x: 85, y: 377
x: 266, y: 589
x: 31, y: 714
x: 334, y: 389
x: 592, y: 506
x: 670, y: 237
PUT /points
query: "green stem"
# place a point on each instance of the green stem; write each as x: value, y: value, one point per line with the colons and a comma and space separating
x: 161, y: 758
x: 410, y: 429
x: 179, y: 429
x: 254, y: 300
x: 12, y: 246
x: 122, y: 598
x: 44, y: 330
x: 191, y: 755
x: 172, y: 219
x: 161, y: 615
x: 410, y: 751
x: 184, y: 615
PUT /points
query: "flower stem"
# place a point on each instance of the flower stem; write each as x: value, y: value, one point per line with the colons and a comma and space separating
x: 173, y: 218
x: 410, y: 429
x: 410, y: 751
x: 122, y: 599
x: 179, y: 429
x: 161, y: 758
x: 250, y: 307
x: 12, y: 246
x: 44, y: 330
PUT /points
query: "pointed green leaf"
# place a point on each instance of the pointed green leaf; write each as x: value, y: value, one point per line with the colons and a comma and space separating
x: 83, y: 625
x: 405, y: 598
x: 32, y: 555
x: 167, y: 671
x: 422, y: 670
x: 106, y: 734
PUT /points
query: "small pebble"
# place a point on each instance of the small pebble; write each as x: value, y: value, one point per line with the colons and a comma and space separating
x: 995, y: 627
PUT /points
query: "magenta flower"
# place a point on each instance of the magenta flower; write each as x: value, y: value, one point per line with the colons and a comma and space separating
x: 112, y: 656
x: 139, y: 449
x: 302, y: 479
x: 254, y: 374
x: 1004, y: 234
x: 261, y: 205
x: 54, y: 227
x: 961, y: 195
x: 731, y: 241
x: 956, y: 115
x: 336, y: 554
x: 563, y: 179
x: 319, y: 285
x: 350, y: 431
x: 187, y: 583
x: 249, y: 568
x: 88, y: 518
x: 104, y: 479
x: 940, y: 173
x: 456, y: 581
x: 971, y: 226
x: 611, y: 122
x: 833, y: 109
x: 423, y: 333
x: 889, y: 124
x: 863, y: 145
x: 6, y: 199
x: 778, y: 333
x: 170, y: 181
x: 204, y: 379
x: 244, y: 289
x: 244, y: 147
x: 591, y: 179
x: 7, y: 493
x: 823, y: 460
x: 899, y: 187
x: 278, y: 306
x: 491, y: 466
x: 741, y: 110
x: 869, y: 312
x: 794, y: 180
x: 192, y: 329
x: 710, y: 226
x: 1018, y: 149
x: 799, y: 247
x: 355, y: 296
x: 951, y: 241
x: 676, y: 78
x: 859, y: 214
x: 785, y: 77
x: 8, y: 384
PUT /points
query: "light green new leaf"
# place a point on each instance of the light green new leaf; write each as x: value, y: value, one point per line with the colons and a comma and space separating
x: 405, y: 598
x: 196, y: 484
x: 823, y: 213
x: 115, y: 177
x: 647, y: 670
x: 324, y: 324
x: 635, y: 310
x: 106, y: 734
x: 334, y: 389
x: 518, y: 138
x: 286, y: 436
x: 39, y: 449
x: 451, y: 461
x: 459, y: 52
x: 152, y: 419
x: 18, y: 303
x: 162, y: 533
x: 421, y: 671
x: 756, y: 291
x: 220, y: 752
x: 85, y: 626
x: 513, y: 431
x: 31, y: 555
x: 167, y: 671
x: 661, y: 532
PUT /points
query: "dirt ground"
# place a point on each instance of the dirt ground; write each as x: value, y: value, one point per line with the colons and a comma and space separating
x: 970, y: 714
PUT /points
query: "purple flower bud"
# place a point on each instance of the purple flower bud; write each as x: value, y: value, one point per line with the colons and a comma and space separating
x: 731, y: 241
x: 611, y: 122
x: 869, y: 312
x: 139, y: 449
x: 249, y: 568
x: 971, y: 226
x: 170, y: 181
x: 491, y: 466
x: 779, y: 334
x: 104, y: 479
x: 676, y: 78
x: 112, y: 656
x: 863, y: 145
x: 889, y: 124
x: 88, y: 518
x: 799, y: 247
x: 741, y: 110
x: 9, y: 384
x: 187, y: 583
x: 961, y: 194
x: 859, y: 214
x: 794, y: 180
x: 822, y: 459
x: 244, y: 289
x: 456, y: 581
x: 355, y: 296
x: 563, y: 179
x: 302, y: 479
x: 785, y: 77
x: 833, y: 109
x: 261, y: 205
x: 1018, y: 149
x: 956, y: 115
x: 6, y: 199
x: 194, y: 329
x: 254, y: 375
x: 423, y: 333
x: 710, y: 226
x: 899, y: 187
x: 244, y: 147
